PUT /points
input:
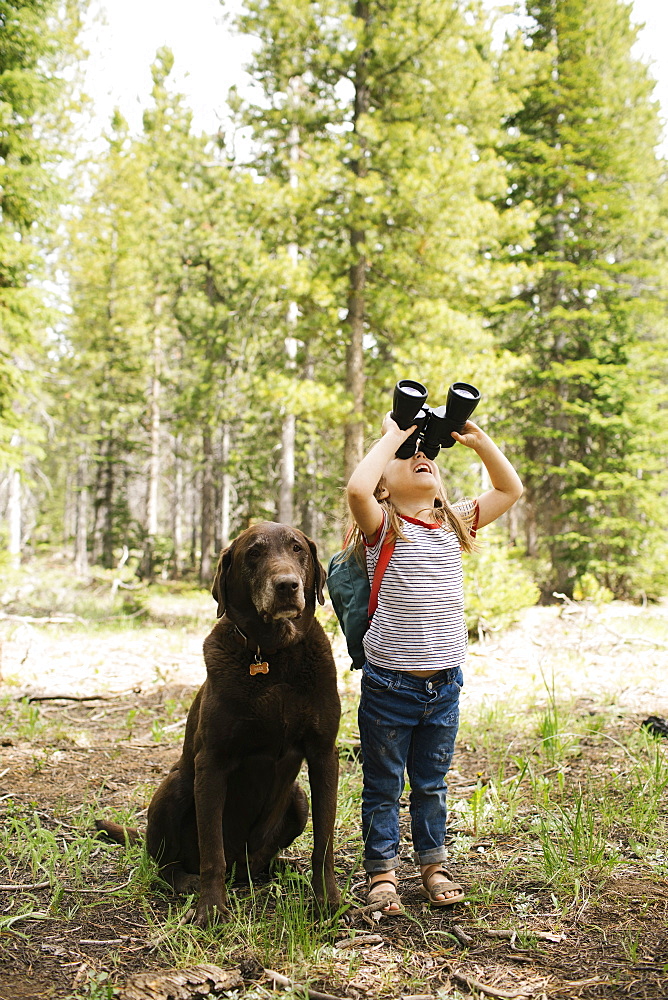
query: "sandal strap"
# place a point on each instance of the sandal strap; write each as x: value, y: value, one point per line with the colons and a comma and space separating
x: 436, y: 885
x: 443, y: 885
x: 378, y: 895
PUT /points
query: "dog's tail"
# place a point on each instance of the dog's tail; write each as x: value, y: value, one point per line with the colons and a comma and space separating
x: 119, y: 834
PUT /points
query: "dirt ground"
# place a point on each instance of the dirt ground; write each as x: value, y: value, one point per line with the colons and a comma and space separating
x: 108, y: 692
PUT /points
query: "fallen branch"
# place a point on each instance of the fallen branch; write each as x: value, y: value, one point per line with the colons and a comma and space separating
x: 64, y: 697
x: 461, y: 935
x: 491, y: 991
x: 360, y: 939
x: 117, y: 940
x: 541, y: 935
x: 375, y: 907
x: 281, y: 980
x: 24, y: 888
x: 48, y: 620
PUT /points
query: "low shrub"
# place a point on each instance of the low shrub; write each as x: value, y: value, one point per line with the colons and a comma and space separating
x: 497, y: 586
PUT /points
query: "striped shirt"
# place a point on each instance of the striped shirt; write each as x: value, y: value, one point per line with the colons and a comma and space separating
x: 419, y: 622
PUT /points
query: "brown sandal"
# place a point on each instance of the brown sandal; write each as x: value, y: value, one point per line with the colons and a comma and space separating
x: 385, y: 897
x: 440, y: 886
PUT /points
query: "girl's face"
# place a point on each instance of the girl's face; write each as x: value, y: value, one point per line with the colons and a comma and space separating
x: 411, y: 480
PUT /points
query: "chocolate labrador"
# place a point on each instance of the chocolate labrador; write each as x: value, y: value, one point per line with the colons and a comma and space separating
x: 268, y: 703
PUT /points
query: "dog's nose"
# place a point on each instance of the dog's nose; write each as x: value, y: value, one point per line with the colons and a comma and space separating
x: 287, y: 585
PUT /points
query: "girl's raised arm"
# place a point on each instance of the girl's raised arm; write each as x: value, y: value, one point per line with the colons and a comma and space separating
x: 506, y: 484
x: 364, y: 507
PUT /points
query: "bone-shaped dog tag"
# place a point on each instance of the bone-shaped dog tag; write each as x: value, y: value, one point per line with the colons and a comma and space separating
x: 259, y: 668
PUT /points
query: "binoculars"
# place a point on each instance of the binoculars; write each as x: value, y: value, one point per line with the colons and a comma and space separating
x: 434, y: 426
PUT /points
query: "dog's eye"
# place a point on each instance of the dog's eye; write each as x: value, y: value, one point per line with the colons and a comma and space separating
x: 297, y: 547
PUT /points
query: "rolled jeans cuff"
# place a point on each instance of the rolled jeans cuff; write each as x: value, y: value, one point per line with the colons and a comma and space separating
x: 431, y: 857
x: 372, y: 866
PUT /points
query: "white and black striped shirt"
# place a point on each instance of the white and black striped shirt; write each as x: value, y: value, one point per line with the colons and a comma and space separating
x: 419, y: 622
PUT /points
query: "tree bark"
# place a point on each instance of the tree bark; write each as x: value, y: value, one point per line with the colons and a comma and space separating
x: 285, y: 512
x: 208, y: 509
x: 148, y: 559
x: 14, y: 518
x: 354, y: 427
x: 177, y: 510
x: 107, y: 508
x: 287, y: 484
x: 81, y: 520
x: 226, y: 496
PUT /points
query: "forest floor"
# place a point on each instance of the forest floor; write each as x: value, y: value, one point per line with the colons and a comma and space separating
x: 93, y: 717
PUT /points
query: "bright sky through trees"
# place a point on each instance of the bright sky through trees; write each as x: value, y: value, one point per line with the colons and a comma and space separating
x: 209, y: 58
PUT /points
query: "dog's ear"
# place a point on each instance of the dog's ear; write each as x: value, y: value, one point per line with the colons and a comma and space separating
x: 320, y: 573
x: 218, y: 589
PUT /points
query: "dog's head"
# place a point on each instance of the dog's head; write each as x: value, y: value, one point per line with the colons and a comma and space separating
x: 271, y: 569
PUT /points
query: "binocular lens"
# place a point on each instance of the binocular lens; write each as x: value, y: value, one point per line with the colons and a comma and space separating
x: 465, y: 391
x: 409, y: 397
x: 434, y: 426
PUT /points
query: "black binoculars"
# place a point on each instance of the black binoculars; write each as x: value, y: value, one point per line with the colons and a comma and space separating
x: 434, y: 427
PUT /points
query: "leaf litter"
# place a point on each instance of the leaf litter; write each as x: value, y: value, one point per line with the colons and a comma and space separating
x: 106, y: 725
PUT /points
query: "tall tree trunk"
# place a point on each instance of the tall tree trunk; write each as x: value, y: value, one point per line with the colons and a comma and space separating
x: 208, y: 509
x: 81, y: 520
x: 285, y: 513
x: 96, y: 553
x: 287, y: 483
x: 194, y: 492
x: 310, y: 515
x: 226, y: 496
x: 309, y: 511
x: 14, y: 518
x: 354, y: 428
x: 177, y: 510
x: 108, y: 509
x: 147, y: 567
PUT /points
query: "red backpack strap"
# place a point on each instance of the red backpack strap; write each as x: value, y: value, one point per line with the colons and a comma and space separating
x: 384, y: 557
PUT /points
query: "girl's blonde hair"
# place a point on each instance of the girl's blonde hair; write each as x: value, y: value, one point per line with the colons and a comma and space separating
x: 442, y: 511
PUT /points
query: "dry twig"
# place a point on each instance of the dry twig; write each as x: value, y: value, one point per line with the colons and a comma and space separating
x: 491, y: 991
x: 281, y: 980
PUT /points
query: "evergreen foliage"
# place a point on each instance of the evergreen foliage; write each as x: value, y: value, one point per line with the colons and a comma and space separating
x: 37, y: 38
x: 582, y: 149
x: 410, y: 203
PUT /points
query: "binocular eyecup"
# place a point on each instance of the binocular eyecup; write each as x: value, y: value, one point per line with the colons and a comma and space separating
x: 434, y: 426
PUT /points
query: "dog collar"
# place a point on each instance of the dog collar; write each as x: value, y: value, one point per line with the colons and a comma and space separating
x: 258, y: 666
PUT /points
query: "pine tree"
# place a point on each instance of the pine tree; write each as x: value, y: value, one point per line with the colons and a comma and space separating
x: 397, y: 123
x: 37, y: 39
x: 106, y: 365
x: 583, y: 152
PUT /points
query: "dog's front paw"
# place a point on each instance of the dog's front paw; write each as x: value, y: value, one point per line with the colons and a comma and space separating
x: 210, y: 911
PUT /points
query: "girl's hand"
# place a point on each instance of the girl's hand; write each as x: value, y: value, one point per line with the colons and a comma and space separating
x: 472, y: 436
x: 390, y: 426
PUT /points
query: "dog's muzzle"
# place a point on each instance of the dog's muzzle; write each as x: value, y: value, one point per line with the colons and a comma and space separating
x: 282, y: 597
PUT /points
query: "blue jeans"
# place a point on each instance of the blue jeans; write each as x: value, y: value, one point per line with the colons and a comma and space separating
x: 407, y: 724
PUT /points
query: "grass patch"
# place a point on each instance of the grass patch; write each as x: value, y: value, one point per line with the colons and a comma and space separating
x: 559, y: 826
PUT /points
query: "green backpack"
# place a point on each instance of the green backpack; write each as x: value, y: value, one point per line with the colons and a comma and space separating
x: 354, y: 599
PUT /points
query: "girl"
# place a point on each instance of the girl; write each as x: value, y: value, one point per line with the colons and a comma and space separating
x: 415, y: 648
